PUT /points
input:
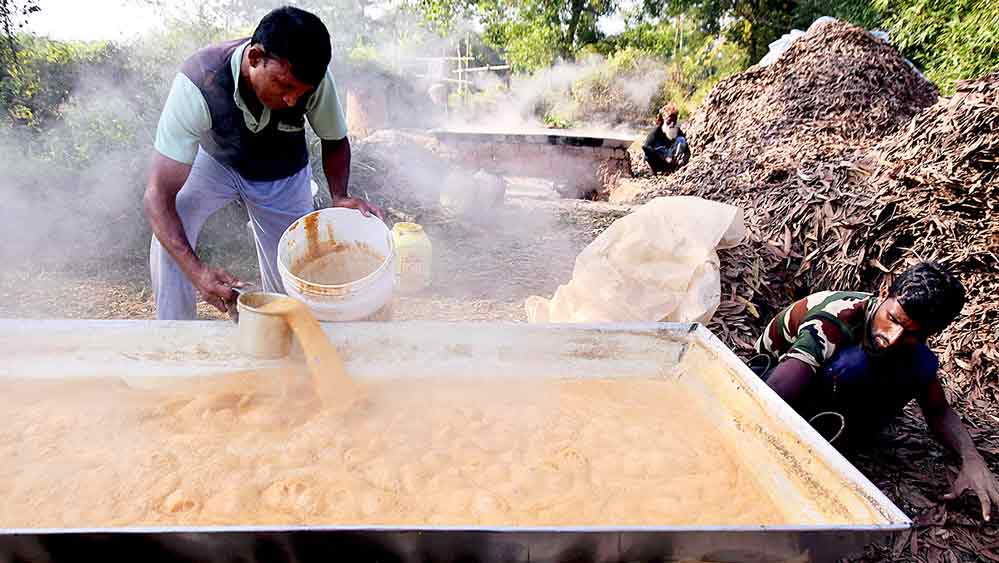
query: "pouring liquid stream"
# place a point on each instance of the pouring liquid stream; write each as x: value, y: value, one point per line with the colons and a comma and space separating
x: 329, y: 376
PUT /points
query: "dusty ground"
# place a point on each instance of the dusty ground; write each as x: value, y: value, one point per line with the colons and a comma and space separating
x: 484, y: 268
x: 914, y: 471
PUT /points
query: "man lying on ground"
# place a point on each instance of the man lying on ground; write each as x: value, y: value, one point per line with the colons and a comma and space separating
x: 865, y: 357
x: 666, y: 146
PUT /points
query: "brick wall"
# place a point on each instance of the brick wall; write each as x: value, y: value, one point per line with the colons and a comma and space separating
x: 578, y: 170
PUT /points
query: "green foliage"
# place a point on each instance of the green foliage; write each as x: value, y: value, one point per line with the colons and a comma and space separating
x: 753, y: 24
x: 526, y: 46
x: 13, y: 16
x: 656, y: 38
x: 951, y: 40
x: 80, y: 102
x: 629, y: 86
x: 442, y: 15
x: 858, y: 12
x: 531, y: 34
x: 619, y: 89
x: 683, y: 74
x: 555, y: 121
x: 45, y: 74
x: 622, y: 79
x: 696, y: 70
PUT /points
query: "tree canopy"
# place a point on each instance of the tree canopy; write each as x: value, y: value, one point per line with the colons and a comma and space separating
x: 532, y: 33
x: 13, y: 14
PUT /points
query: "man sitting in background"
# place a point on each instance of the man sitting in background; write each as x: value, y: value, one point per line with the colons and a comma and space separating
x: 666, y: 146
x: 864, y: 357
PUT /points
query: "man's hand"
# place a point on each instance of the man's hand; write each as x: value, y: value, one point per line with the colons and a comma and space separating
x: 947, y: 427
x: 359, y: 204
x: 976, y: 477
x: 215, y: 286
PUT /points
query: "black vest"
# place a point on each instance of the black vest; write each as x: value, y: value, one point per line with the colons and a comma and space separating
x: 277, y: 151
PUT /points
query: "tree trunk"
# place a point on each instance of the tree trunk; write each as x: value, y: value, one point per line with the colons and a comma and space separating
x: 752, y: 16
x: 8, y: 43
x: 7, y: 39
x: 569, y: 44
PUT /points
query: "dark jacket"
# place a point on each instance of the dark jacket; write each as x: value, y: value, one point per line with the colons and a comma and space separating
x: 657, y: 139
x: 276, y: 152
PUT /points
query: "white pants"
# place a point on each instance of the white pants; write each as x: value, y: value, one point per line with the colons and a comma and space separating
x: 272, y: 206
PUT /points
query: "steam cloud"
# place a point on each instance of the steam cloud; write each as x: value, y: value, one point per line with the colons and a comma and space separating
x: 65, y: 216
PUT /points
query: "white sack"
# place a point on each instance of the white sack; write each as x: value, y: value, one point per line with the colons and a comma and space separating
x: 778, y: 47
x: 657, y: 264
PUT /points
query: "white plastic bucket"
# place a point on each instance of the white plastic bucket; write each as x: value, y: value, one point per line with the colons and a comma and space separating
x: 352, y: 301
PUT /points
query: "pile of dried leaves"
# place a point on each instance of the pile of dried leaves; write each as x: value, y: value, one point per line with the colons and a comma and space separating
x: 928, y: 192
x: 850, y: 169
x: 937, y: 198
x: 834, y: 92
x: 914, y: 471
x: 781, y: 142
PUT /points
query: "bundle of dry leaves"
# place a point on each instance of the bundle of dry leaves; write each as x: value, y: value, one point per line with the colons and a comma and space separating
x: 850, y: 169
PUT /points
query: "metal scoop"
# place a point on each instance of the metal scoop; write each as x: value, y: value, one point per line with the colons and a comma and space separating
x: 262, y: 335
x: 232, y: 306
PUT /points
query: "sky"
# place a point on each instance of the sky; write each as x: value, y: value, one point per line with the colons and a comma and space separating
x: 123, y: 19
x: 92, y: 19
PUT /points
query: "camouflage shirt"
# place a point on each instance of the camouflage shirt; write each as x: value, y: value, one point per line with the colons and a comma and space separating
x: 813, y: 329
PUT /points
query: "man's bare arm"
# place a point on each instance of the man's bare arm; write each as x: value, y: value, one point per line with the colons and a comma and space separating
x: 336, y: 167
x: 166, y: 178
x: 791, y: 379
x: 947, y: 427
x: 944, y: 423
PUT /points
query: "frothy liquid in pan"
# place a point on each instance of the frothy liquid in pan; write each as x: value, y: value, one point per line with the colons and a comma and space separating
x: 243, y: 449
x: 279, y: 447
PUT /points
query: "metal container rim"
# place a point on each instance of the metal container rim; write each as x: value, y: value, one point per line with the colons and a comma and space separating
x: 892, y: 527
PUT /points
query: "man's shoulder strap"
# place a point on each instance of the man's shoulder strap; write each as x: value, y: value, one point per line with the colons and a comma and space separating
x: 210, y: 60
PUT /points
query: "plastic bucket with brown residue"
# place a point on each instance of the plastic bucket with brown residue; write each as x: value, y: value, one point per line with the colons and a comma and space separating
x: 351, y: 301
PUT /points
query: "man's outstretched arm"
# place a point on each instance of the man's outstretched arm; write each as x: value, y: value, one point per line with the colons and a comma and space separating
x: 336, y: 167
x: 946, y: 426
x: 159, y: 203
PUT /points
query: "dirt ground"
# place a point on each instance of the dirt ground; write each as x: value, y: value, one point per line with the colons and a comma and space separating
x: 914, y: 471
x: 484, y: 266
x: 484, y: 269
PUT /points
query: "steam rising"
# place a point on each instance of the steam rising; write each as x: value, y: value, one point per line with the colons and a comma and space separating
x: 622, y: 97
x: 61, y: 208
x: 72, y: 195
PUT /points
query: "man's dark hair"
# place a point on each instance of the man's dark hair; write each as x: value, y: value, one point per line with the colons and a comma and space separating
x: 929, y: 294
x: 299, y: 37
